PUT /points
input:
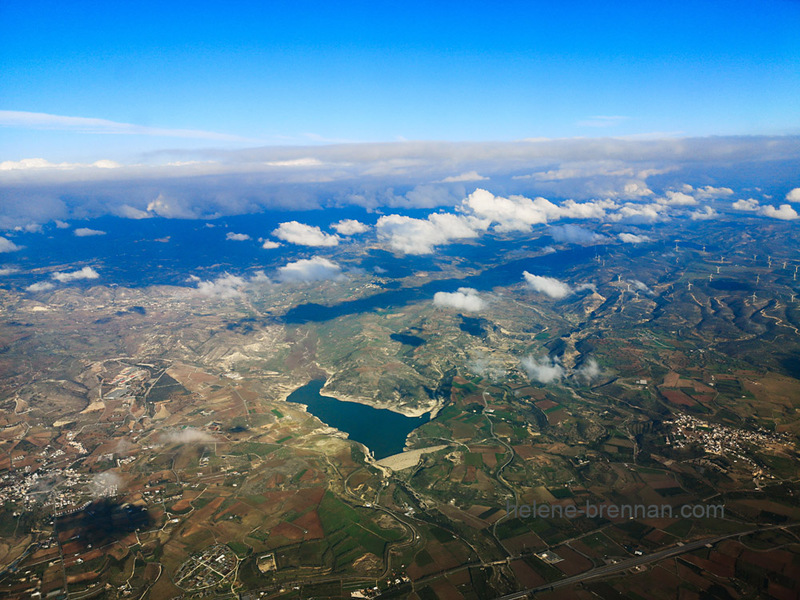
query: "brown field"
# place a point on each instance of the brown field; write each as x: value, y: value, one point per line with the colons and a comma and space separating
x: 446, y: 591
x: 524, y: 542
x: 545, y: 404
x: 677, y: 397
x: 526, y: 576
x: 573, y: 562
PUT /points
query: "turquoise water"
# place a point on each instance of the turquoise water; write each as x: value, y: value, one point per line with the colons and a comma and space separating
x: 382, y: 431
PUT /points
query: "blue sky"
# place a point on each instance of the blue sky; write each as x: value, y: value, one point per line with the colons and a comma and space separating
x: 273, y: 73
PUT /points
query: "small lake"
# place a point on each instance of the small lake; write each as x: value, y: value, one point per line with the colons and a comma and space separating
x: 382, y: 431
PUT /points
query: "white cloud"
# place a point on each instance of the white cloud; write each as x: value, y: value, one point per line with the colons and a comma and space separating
x: 41, y: 286
x: 27, y: 164
x: 678, y: 199
x: 130, y: 212
x: 226, y: 286
x: 464, y: 177
x: 311, y: 269
x: 518, y: 213
x: 545, y: 370
x: 705, y: 214
x: 632, y: 238
x: 84, y: 273
x: 7, y: 245
x: 784, y: 213
x: 8, y: 271
x: 750, y: 205
x: 421, y: 236
x: 550, y: 286
x: 296, y: 162
x: 86, y: 232
x: 171, y: 208
x: 464, y: 299
x: 639, y: 213
x: 62, y: 224
x: 640, y: 286
x: 350, y: 227
x: 486, y: 366
x: 31, y: 120
x: 304, y: 235
x: 230, y: 286
x: 270, y: 245
x: 575, y: 234
x: 588, y: 371
x: 237, y: 237
x: 794, y: 195
x: 188, y: 435
x: 707, y: 192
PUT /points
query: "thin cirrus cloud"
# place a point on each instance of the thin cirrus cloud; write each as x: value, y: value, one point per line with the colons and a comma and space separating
x: 34, y: 120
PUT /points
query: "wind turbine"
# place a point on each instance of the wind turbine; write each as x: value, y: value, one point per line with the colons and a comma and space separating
x: 717, y: 270
x: 710, y: 276
x: 704, y: 248
x: 758, y: 278
x: 754, y: 297
x: 792, y: 300
x: 629, y: 287
x: 689, y: 286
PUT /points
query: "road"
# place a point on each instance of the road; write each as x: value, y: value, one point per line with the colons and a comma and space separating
x: 634, y: 562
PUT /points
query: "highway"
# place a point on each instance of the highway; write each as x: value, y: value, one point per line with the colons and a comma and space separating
x: 634, y: 562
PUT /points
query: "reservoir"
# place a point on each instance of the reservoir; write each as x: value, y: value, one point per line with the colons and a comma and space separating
x: 382, y: 431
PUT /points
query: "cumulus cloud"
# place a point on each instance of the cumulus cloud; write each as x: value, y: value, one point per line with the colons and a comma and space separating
x: 270, y: 245
x: 188, y: 435
x: 229, y: 286
x: 485, y: 366
x: 704, y: 215
x: 588, y: 371
x: 544, y: 370
x: 749, y: 205
x: 7, y: 245
x: 708, y: 192
x: 84, y: 273
x: 129, y: 212
x: 466, y: 299
x: 41, y: 286
x: 301, y: 234
x: 350, y: 227
x: 105, y: 485
x: 62, y: 224
x: 225, y: 286
x: 639, y: 213
x: 8, y: 271
x: 794, y: 195
x: 549, y: 286
x: 468, y: 176
x: 173, y: 208
x: 784, y: 213
x: 640, y: 286
x: 86, y: 232
x: 310, y: 269
x: 575, y: 234
x: 421, y: 236
x: 518, y: 213
x: 678, y: 199
x: 237, y: 237
x: 632, y: 238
